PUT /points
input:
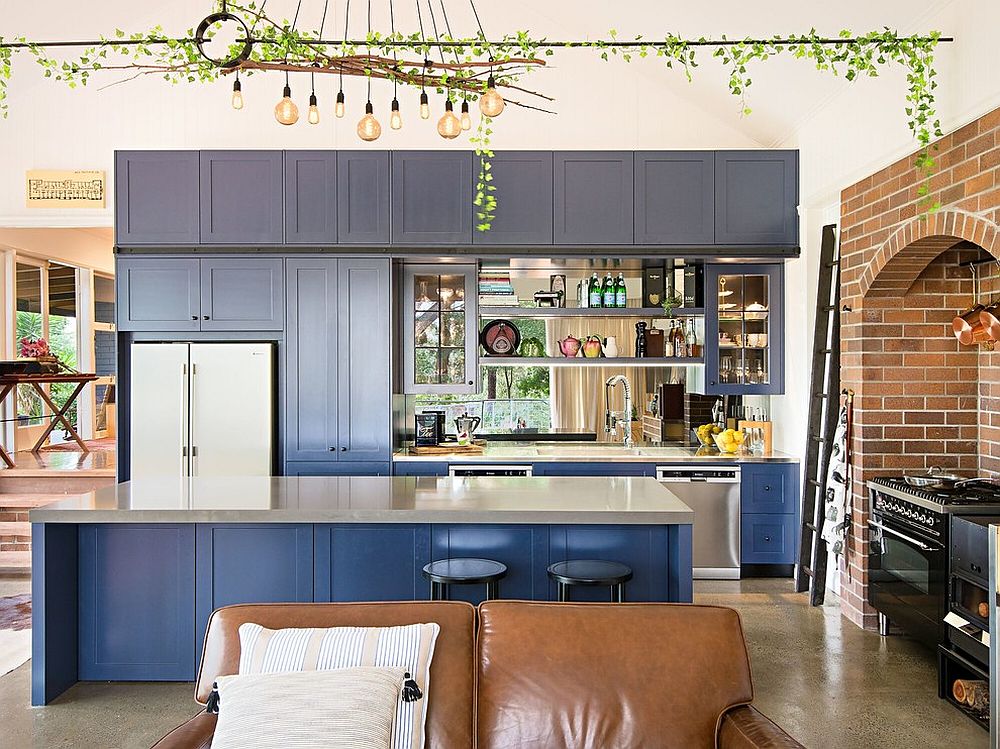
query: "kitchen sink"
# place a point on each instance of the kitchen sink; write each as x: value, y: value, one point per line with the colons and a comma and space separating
x: 586, y: 451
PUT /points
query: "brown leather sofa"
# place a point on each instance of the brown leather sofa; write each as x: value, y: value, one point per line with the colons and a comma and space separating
x: 545, y: 675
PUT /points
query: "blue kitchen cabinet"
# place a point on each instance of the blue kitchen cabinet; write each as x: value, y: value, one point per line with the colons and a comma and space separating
x: 756, y: 198
x: 675, y: 197
x: 744, y: 329
x: 158, y: 294
x: 251, y: 563
x: 431, y: 198
x: 337, y: 385
x: 241, y: 198
x: 523, y: 548
x: 377, y: 562
x: 156, y: 198
x: 523, y: 186
x: 311, y: 197
x: 590, y: 468
x: 769, y: 513
x: 342, y: 468
x: 242, y: 293
x: 422, y: 468
x: 363, y: 197
x: 592, y: 197
x: 136, y: 602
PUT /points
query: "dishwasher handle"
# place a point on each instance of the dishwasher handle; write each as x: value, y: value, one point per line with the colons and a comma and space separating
x: 674, y: 475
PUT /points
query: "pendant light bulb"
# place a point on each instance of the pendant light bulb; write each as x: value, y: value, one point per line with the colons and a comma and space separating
x: 449, y: 125
x: 395, y: 119
x: 369, y: 128
x: 339, y: 108
x: 425, y: 107
x: 465, y: 119
x: 313, y: 110
x: 491, y: 103
x: 237, y: 94
x: 285, y: 110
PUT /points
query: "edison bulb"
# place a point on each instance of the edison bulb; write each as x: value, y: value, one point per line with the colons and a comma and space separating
x: 465, y: 119
x: 237, y: 95
x: 285, y: 110
x: 313, y: 110
x: 449, y: 125
x: 368, y: 127
x: 395, y: 119
x: 425, y: 107
x: 491, y: 103
x: 339, y: 108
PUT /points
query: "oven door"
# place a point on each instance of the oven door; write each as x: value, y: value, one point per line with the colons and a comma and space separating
x: 906, y: 578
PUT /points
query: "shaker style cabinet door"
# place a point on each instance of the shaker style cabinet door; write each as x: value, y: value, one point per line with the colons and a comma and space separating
x: 431, y: 197
x: 311, y: 360
x: 675, y: 197
x: 592, y: 197
x: 363, y: 197
x: 242, y: 293
x: 311, y: 197
x: 756, y: 197
x: 156, y: 198
x: 363, y: 345
x: 241, y: 197
x: 523, y: 182
x: 158, y: 294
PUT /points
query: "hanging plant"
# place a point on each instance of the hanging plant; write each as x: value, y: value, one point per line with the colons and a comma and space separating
x: 475, y: 69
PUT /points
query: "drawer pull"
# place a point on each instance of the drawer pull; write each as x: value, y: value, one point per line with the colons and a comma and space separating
x: 767, y: 487
x: 767, y: 538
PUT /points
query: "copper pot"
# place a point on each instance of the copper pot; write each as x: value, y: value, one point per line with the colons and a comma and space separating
x: 969, y: 324
x: 989, y: 318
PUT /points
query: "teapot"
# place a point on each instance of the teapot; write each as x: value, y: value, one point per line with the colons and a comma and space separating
x: 593, y: 347
x: 465, y: 426
x: 570, y: 346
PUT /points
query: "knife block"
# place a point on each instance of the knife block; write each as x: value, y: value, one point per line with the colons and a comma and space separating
x: 766, y: 430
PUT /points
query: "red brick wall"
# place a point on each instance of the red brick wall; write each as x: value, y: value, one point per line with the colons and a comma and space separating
x: 921, y: 399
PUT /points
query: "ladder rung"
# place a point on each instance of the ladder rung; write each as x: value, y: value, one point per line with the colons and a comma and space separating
x: 824, y: 351
x: 821, y: 395
x: 812, y: 527
x: 814, y: 438
x: 832, y: 264
x: 814, y: 482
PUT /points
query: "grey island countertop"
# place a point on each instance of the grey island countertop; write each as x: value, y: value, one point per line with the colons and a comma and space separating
x: 574, y: 452
x: 319, y: 499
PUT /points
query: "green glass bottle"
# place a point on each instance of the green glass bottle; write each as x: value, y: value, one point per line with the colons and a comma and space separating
x: 594, y: 292
x: 609, y: 291
x: 621, y: 293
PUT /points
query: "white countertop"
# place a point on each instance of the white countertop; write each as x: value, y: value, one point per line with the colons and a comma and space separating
x: 318, y: 499
x: 571, y: 452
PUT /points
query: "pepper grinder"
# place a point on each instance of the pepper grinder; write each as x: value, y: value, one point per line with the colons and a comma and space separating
x: 640, y: 340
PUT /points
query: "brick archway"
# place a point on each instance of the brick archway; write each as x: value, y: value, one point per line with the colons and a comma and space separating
x: 899, y: 260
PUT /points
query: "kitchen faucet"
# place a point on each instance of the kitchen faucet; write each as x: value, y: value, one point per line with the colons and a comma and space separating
x: 611, y: 418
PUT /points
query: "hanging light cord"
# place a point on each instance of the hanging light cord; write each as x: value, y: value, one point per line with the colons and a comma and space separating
x: 395, y: 59
x: 482, y: 33
x: 368, y: 51
x: 447, y: 27
x: 343, y: 47
x: 423, y: 39
x: 437, y: 38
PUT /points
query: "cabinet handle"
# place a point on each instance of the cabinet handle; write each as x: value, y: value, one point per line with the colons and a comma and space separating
x: 204, y: 317
x: 343, y: 449
x: 472, y: 382
x: 712, y: 382
x: 767, y: 538
x: 333, y: 449
x: 767, y: 487
x: 194, y: 317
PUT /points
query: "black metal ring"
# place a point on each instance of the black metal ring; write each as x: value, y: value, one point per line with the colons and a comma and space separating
x: 199, y: 39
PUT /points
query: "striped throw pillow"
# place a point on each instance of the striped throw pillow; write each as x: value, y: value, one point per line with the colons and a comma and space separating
x: 409, y: 647
x: 346, y: 709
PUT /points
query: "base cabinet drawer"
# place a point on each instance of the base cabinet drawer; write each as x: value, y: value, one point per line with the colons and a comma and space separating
x: 412, y: 468
x: 337, y: 468
x: 768, y: 539
x: 770, y: 488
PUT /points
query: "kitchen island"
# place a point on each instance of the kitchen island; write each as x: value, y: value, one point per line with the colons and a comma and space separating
x: 125, y: 578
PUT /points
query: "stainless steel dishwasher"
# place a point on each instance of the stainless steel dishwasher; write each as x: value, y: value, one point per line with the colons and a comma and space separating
x: 489, y: 469
x: 714, y: 495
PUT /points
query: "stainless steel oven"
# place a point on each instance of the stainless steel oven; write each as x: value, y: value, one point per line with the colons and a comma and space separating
x: 907, y: 576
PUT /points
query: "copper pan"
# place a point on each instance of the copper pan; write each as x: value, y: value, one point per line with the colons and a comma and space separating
x: 989, y: 318
x: 970, y: 324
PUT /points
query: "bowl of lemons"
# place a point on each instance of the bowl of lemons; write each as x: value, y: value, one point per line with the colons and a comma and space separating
x: 705, y: 433
x: 729, y: 441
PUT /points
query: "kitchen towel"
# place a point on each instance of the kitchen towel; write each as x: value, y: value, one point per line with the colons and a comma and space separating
x: 837, y: 520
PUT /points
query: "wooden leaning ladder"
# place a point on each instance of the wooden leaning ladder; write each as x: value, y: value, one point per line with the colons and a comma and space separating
x: 824, y: 404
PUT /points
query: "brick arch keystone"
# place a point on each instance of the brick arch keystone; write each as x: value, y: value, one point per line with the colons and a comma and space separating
x: 914, y: 245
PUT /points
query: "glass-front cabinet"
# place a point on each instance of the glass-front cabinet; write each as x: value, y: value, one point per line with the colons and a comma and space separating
x: 744, y: 333
x: 440, y: 330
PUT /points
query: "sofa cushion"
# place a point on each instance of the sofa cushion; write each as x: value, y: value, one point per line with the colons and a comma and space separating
x: 593, y: 675
x: 409, y: 647
x: 451, y: 697
x: 351, y: 708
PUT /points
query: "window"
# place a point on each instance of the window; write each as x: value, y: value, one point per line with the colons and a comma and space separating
x: 29, y: 323
x: 105, y: 357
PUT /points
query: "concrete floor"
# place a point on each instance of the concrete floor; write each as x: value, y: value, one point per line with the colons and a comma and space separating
x: 828, y: 683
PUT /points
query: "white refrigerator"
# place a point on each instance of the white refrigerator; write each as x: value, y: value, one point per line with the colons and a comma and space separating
x: 201, y: 409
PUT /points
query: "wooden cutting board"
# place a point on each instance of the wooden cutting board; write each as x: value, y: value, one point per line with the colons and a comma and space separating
x: 476, y: 448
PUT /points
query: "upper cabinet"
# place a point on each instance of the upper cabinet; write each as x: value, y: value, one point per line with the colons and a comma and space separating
x: 756, y: 197
x: 523, y: 216
x: 241, y: 197
x: 156, y: 198
x: 592, y: 197
x: 311, y: 197
x: 431, y: 196
x: 242, y: 293
x: 675, y: 197
x: 363, y: 197
x: 158, y: 294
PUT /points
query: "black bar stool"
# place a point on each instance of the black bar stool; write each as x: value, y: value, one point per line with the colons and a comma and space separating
x: 464, y: 571
x: 590, y: 572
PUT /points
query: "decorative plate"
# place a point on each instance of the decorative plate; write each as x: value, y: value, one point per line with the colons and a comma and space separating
x: 500, y: 338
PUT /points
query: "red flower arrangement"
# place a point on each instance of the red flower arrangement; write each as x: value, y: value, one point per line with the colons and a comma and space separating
x: 34, y: 348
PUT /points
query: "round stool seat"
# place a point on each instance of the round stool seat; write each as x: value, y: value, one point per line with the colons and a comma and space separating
x: 590, y: 572
x: 464, y: 570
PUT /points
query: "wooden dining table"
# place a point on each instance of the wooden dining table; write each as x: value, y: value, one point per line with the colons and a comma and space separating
x: 10, y: 381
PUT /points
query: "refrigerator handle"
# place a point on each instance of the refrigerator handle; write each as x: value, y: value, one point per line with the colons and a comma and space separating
x: 191, y: 416
x: 184, y: 419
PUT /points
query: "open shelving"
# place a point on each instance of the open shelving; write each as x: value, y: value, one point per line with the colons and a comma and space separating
x: 582, y: 361
x: 543, y: 312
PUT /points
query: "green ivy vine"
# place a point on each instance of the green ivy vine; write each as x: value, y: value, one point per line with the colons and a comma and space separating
x: 279, y: 44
